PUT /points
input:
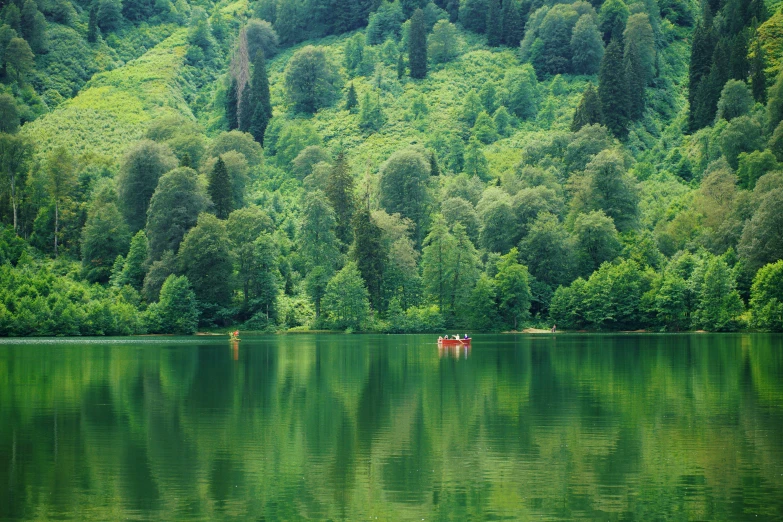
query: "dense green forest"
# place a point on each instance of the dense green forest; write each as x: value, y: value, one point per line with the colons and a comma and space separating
x: 403, y: 166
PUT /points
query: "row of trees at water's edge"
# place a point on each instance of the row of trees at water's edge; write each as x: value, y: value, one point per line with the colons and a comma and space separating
x: 434, y: 170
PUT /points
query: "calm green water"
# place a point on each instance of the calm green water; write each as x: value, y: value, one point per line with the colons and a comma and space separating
x: 620, y: 427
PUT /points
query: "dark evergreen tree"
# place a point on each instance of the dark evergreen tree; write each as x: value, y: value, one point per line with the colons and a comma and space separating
x: 400, y: 67
x: 636, y: 79
x: 513, y: 27
x: 711, y: 86
x: 351, y: 101
x: 613, y: 90
x: 588, y: 112
x: 417, y: 45
x: 494, y: 23
x: 232, y: 99
x: 262, y: 110
x: 758, y: 78
x: 699, y: 68
x: 220, y: 190
x: 369, y: 253
x: 339, y: 192
x: 92, y: 24
x: 246, y: 109
x: 739, y: 67
x: 452, y: 7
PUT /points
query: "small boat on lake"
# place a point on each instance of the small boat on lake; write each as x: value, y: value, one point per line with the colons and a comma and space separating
x: 454, y: 342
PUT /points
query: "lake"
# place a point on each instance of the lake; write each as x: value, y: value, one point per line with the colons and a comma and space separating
x: 334, y: 427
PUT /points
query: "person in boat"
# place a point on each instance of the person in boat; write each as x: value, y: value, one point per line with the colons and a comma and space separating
x: 466, y: 336
x: 440, y: 338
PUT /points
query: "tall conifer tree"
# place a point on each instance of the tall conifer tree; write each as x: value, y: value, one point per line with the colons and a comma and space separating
x: 369, y: 254
x: 232, y: 100
x: 613, y: 90
x: 262, y: 111
x: 417, y: 45
x: 513, y: 27
x: 494, y: 24
x: 220, y: 189
x: 92, y: 24
x: 758, y: 77
x: 636, y: 79
x: 699, y: 68
x: 246, y: 109
x: 351, y: 100
x: 588, y: 112
x: 339, y: 192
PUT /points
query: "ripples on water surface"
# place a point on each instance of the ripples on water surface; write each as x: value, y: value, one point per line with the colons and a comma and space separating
x: 615, y: 427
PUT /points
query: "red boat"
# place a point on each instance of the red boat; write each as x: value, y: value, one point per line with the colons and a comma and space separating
x: 454, y: 342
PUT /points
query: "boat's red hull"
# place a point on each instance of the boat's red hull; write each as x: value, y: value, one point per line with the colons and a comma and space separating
x: 454, y: 342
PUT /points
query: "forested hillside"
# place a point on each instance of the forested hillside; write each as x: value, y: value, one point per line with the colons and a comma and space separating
x: 401, y: 166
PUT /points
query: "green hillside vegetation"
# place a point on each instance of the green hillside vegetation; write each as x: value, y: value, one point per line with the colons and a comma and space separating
x: 113, y: 109
x: 274, y: 165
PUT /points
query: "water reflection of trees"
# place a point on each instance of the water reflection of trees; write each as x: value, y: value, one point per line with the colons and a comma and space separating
x: 347, y: 427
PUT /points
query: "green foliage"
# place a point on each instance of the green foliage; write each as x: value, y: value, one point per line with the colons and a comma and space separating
x: 484, y: 129
x: 548, y: 251
x: 346, y: 302
x: 219, y: 188
x: 417, y: 46
x: 521, y: 93
x: 606, y: 186
x: 473, y: 15
x: 109, y: 15
x: 134, y: 265
x: 639, y: 61
x: 260, y: 37
x: 206, y: 260
x: 443, y: 42
x: 312, y: 80
x: 19, y: 59
x: 735, y: 100
x: 403, y: 187
x: 369, y: 254
x: 259, y: 96
x: 613, y: 90
x: 351, y: 101
x: 596, y: 239
x: 742, y: 134
x: 494, y: 27
x: 513, y: 289
x: 176, y: 312
x: 174, y: 209
x: 761, y: 241
x: 38, y: 300
x: 237, y: 141
x: 766, y: 298
x: 294, y: 137
x: 104, y: 236
x: 754, y: 165
x: 612, y: 18
x: 371, y: 116
x: 718, y: 303
x: 587, y: 47
x: 588, y: 112
x: 385, y: 22
x: 340, y: 193
x: 142, y: 167
x: 9, y: 114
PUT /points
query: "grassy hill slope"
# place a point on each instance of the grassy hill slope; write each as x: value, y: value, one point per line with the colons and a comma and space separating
x: 112, y: 110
